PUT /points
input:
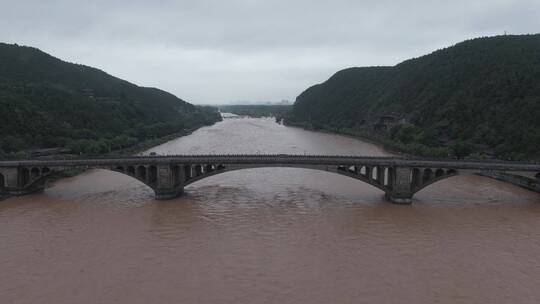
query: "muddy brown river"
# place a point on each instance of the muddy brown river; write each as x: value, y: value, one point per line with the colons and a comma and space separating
x: 272, y: 235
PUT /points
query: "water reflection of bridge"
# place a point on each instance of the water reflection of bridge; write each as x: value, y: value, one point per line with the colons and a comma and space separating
x: 399, y: 178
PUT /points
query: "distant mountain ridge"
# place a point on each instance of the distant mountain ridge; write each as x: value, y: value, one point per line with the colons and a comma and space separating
x: 483, y: 94
x: 47, y: 102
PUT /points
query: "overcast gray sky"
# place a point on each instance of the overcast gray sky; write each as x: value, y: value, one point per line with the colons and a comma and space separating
x: 207, y: 51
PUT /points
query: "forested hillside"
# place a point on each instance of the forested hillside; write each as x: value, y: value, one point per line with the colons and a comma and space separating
x: 479, y: 97
x: 46, y: 102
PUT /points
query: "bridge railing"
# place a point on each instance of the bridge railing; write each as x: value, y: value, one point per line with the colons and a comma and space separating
x: 263, y: 156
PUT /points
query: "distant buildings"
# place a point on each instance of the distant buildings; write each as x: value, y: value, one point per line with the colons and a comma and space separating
x: 283, y: 102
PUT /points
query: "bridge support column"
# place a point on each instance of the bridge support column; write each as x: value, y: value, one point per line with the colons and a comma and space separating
x: 400, y: 186
x: 18, y: 181
x: 166, y: 187
x: 168, y: 194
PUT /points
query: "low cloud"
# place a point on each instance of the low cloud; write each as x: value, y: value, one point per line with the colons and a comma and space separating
x: 218, y: 51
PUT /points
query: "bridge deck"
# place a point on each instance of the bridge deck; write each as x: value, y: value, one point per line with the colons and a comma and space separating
x: 279, y: 159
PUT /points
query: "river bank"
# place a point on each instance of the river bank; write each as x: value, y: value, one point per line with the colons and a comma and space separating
x: 378, y: 141
x: 136, y: 149
x: 413, y: 149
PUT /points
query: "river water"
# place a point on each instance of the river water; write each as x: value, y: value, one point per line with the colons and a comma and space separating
x: 272, y: 235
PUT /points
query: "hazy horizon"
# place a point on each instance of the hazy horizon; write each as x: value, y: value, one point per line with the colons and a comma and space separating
x: 210, y: 52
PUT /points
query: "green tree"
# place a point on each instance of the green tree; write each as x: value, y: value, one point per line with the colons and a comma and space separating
x: 461, y: 149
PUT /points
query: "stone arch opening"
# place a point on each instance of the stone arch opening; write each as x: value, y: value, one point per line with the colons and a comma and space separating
x: 187, y: 172
x: 141, y: 172
x: 451, y: 172
x: 152, y: 174
x: 198, y: 170
x: 352, y: 169
x: 428, y: 173
x: 176, y: 175
x: 389, y: 177
x: 537, y: 175
x: 369, y: 172
x: 416, y: 178
x: 439, y: 173
x: 119, y: 168
x: 378, y: 174
x: 131, y: 170
x: 25, y: 176
x: 362, y: 170
x: 221, y: 167
x: 2, y: 182
x: 209, y: 168
x: 45, y: 171
x: 34, y: 173
x: 374, y: 173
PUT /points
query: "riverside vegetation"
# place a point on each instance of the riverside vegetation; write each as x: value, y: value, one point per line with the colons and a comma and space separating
x: 479, y: 98
x: 46, y: 102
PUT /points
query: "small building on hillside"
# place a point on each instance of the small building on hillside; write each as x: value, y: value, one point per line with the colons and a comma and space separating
x: 385, y: 122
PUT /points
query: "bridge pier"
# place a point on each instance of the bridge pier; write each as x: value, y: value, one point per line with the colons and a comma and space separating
x: 168, y: 194
x: 169, y: 182
x: 20, y: 181
x: 400, y: 186
x: 399, y: 200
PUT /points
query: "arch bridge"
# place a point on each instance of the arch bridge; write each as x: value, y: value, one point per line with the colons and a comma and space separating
x: 399, y: 178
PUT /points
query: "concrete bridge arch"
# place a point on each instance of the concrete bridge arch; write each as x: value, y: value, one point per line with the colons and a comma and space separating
x: 211, y: 170
x: 2, y: 183
x: 31, y: 179
x: 399, y: 183
x: 147, y: 174
x: 399, y: 178
x: 34, y: 178
x: 171, y: 182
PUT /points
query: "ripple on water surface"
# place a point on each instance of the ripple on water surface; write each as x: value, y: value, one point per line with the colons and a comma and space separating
x: 269, y: 235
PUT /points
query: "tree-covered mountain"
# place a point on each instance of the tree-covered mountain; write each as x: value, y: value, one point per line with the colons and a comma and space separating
x: 479, y: 96
x: 46, y: 102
